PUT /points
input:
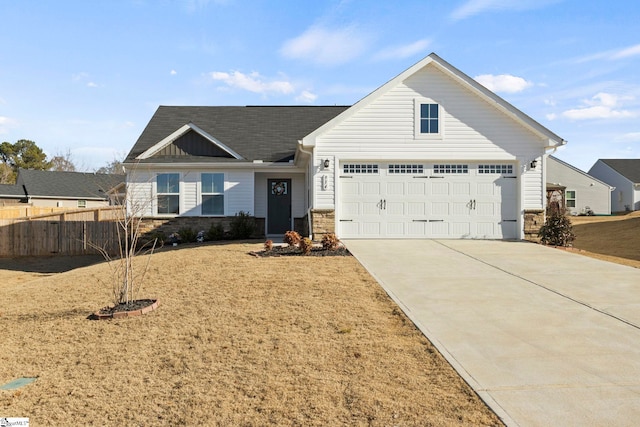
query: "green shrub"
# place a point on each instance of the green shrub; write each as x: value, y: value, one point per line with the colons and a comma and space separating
x: 243, y: 226
x: 557, y: 229
x: 187, y: 235
x: 215, y: 232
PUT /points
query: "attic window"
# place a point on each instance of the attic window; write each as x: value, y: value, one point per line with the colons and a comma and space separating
x: 427, y: 115
x: 429, y: 119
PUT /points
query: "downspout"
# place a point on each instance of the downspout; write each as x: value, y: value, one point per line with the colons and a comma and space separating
x: 310, y: 153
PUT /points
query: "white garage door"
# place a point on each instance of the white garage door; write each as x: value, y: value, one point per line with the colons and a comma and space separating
x: 401, y: 200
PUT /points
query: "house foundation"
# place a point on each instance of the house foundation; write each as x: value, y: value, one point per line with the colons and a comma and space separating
x: 533, y: 221
x: 323, y: 221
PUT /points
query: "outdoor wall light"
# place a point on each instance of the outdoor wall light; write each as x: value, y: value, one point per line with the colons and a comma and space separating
x: 534, y: 163
x: 326, y: 163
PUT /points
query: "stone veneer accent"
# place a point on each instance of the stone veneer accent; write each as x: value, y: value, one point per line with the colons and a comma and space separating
x: 533, y: 220
x: 323, y: 221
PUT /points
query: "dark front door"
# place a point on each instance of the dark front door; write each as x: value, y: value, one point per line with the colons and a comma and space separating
x: 278, y: 206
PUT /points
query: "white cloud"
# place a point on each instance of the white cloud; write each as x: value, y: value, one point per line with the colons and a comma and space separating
x: 83, y: 78
x: 551, y: 116
x: 475, y: 7
x: 253, y: 82
x: 601, y: 106
x: 173, y: 72
x: 306, y: 97
x: 327, y: 46
x: 404, y: 51
x: 629, y: 137
x: 6, y: 123
x: 503, y: 83
x: 626, y: 52
x: 610, y: 55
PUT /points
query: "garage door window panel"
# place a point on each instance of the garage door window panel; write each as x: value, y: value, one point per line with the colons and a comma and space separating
x: 359, y: 168
x: 450, y: 169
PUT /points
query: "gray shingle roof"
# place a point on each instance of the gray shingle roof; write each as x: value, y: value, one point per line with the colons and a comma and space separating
x: 629, y: 168
x: 76, y: 185
x: 8, y: 190
x: 263, y: 133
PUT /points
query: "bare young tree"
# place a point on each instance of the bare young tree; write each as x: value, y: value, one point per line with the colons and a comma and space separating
x: 129, y: 261
x: 63, y: 162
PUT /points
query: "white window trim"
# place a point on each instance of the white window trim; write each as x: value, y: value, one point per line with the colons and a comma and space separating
x: 574, y: 198
x: 417, y: 102
x: 224, y: 194
x: 156, y: 194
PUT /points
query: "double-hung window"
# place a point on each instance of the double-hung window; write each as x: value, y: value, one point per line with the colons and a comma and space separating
x: 570, y: 198
x: 212, y: 193
x: 168, y: 193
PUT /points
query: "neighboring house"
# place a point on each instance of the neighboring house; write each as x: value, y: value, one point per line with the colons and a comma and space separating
x: 69, y: 189
x: 580, y: 191
x: 10, y: 194
x: 432, y: 153
x: 624, y: 175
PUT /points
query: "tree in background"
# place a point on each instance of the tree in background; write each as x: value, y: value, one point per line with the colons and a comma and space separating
x: 23, y: 154
x: 63, y: 162
x: 6, y: 174
x: 112, y: 167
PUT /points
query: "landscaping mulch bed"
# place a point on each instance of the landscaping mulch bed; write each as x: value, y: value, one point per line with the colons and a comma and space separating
x: 295, y: 251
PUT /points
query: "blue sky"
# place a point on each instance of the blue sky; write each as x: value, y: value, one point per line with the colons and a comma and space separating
x: 86, y: 76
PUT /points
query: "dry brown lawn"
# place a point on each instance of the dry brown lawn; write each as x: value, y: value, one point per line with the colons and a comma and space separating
x: 237, y: 340
x: 611, y: 238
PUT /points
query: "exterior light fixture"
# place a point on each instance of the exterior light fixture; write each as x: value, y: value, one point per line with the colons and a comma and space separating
x: 534, y: 163
x: 326, y: 163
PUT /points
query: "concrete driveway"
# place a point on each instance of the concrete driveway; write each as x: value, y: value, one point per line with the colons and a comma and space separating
x: 544, y: 336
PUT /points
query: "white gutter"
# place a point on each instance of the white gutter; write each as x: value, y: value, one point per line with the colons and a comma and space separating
x: 311, y: 195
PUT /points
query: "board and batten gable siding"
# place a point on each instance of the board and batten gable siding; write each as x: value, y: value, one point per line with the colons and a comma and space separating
x: 238, y: 191
x: 298, y: 193
x: 471, y: 130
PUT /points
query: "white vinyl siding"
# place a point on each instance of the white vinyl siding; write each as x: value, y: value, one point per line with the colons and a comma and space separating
x: 473, y: 130
x: 239, y: 192
x: 624, y: 196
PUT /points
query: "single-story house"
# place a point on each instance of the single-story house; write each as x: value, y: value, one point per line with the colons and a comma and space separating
x: 430, y: 154
x: 580, y: 192
x: 69, y: 189
x: 10, y: 194
x: 624, y: 175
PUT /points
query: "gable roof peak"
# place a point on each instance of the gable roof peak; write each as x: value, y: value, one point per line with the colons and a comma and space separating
x: 553, y: 140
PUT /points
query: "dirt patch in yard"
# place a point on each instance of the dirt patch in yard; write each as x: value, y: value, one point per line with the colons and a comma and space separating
x: 238, y: 340
x: 612, y: 238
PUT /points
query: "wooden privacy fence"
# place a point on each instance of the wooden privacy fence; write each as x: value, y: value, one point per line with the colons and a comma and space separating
x: 94, y: 214
x: 64, y: 233
x: 39, y: 238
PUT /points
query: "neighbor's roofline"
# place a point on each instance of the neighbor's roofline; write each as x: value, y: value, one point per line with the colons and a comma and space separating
x: 580, y: 171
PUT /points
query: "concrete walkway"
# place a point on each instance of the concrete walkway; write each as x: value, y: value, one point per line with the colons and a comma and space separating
x: 546, y: 337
